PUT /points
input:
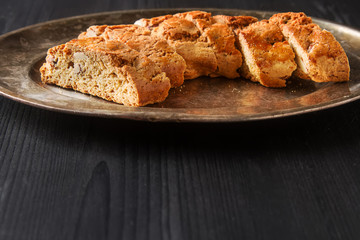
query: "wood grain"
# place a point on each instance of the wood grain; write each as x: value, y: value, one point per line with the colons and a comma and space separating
x: 75, y: 177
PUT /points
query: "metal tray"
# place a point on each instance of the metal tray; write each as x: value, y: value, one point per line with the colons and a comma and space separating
x: 200, y: 100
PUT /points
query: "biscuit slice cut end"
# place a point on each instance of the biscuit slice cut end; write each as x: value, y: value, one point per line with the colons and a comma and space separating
x: 109, y: 70
x: 268, y: 58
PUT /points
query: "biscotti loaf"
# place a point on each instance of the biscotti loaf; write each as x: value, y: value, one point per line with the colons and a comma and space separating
x: 318, y: 55
x: 136, y: 65
x: 140, y: 39
x: 106, y: 69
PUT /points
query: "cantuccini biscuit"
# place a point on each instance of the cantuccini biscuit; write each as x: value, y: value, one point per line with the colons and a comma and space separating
x: 318, y: 55
x: 235, y: 22
x: 268, y: 58
x: 106, y: 69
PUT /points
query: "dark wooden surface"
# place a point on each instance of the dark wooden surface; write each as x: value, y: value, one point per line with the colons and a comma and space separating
x: 75, y: 177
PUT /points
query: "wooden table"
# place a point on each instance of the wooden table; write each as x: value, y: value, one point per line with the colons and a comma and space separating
x: 75, y: 177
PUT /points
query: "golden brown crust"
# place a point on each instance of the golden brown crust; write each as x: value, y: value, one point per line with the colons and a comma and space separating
x: 235, y: 22
x: 152, y: 22
x: 194, y: 15
x: 319, y: 56
x: 298, y: 18
x: 140, y: 39
x: 177, y: 29
x: 202, y: 20
x: 268, y: 58
x: 109, y: 70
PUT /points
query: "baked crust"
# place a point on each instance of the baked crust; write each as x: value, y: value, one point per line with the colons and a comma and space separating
x: 152, y: 22
x: 268, y: 58
x: 319, y: 56
x: 140, y: 39
x: 235, y: 22
x: 106, y: 69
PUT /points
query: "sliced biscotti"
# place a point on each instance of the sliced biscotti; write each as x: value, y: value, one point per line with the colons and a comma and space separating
x: 207, y: 46
x: 106, y: 69
x: 318, y: 55
x: 222, y: 39
x: 140, y: 39
x: 268, y: 58
x: 183, y: 35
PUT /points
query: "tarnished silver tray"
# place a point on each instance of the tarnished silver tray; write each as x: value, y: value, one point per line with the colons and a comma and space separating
x: 204, y: 99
